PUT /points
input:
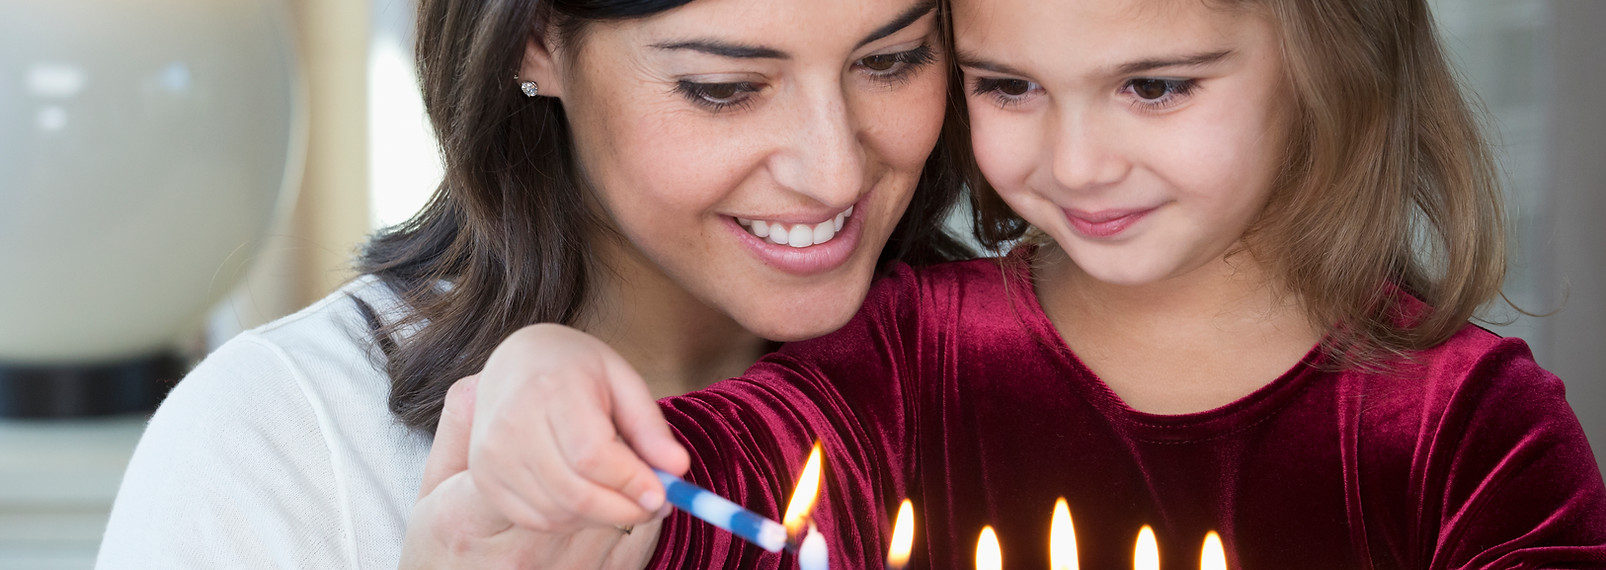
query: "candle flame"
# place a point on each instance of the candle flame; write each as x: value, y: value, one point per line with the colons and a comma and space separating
x: 1214, y: 556
x: 1147, y: 554
x: 1062, y: 538
x: 988, y: 555
x: 903, y: 536
x: 808, y: 489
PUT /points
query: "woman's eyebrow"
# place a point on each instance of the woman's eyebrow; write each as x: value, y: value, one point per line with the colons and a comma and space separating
x: 909, y: 16
x: 723, y: 48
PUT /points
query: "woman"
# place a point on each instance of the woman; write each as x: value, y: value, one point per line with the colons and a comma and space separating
x: 625, y: 168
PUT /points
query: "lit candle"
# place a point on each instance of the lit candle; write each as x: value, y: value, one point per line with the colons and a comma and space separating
x: 814, y: 554
x: 988, y: 555
x: 1147, y: 554
x: 800, y: 509
x: 1214, y: 555
x: 1061, y: 539
x: 903, y: 537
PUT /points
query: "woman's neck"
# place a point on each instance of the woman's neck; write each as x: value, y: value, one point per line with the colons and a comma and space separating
x: 676, y: 342
x: 1186, y: 344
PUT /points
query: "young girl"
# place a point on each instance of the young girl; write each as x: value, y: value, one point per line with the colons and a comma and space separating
x: 1258, y: 229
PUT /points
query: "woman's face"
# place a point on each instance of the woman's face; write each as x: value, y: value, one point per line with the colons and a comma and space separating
x: 756, y: 153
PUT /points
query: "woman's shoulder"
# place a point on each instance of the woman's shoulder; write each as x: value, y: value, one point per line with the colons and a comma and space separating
x: 283, y: 430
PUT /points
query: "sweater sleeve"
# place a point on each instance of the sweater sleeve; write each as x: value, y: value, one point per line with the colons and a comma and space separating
x: 232, y: 472
x: 749, y: 437
x: 1510, y: 476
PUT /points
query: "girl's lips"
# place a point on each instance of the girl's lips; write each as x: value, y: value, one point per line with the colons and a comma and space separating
x: 1104, y: 224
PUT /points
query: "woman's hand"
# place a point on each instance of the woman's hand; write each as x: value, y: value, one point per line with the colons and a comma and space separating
x: 563, y: 434
x: 454, y: 526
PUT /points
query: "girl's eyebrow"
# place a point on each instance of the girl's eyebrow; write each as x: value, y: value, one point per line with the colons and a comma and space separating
x: 971, y: 60
x: 1194, y: 60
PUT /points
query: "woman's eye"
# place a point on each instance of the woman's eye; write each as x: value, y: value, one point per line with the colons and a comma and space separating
x: 879, y: 62
x: 895, y: 67
x: 717, y: 96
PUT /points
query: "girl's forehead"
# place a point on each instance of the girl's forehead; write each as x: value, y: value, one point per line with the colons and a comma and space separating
x: 1093, y: 33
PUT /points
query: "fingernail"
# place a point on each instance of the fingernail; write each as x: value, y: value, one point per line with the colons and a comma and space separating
x: 651, y: 500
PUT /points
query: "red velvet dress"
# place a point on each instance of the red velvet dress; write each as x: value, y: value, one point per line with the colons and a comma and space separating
x: 952, y: 388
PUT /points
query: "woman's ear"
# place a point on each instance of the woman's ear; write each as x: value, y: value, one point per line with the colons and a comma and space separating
x: 541, y: 66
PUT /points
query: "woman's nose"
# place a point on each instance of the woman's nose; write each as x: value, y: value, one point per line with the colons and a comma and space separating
x: 823, y: 157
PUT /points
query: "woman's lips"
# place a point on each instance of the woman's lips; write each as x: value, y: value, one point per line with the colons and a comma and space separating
x: 1104, y: 224
x: 835, y: 245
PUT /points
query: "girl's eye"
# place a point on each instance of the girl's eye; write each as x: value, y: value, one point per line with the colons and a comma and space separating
x: 1157, y: 94
x: 717, y: 96
x: 1004, y: 92
x: 893, y: 68
x: 1014, y: 87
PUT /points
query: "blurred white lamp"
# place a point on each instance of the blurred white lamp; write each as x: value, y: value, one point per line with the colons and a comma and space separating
x: 145, y: 148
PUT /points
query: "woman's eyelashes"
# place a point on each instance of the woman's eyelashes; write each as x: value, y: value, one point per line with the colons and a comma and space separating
x: 890, y: 70
x: 895, y: 69
x: 718, y: 96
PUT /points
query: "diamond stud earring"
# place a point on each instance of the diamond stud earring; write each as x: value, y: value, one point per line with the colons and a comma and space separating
x: 529, y: 88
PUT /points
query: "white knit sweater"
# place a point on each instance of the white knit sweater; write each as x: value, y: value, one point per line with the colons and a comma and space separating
x: 278, y: 451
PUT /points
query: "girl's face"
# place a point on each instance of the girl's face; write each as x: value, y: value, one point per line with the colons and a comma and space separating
x: 756, y: 154
x: 1142, y: 135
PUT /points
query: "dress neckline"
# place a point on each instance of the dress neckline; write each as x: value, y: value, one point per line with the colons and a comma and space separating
x: 1222, y: 421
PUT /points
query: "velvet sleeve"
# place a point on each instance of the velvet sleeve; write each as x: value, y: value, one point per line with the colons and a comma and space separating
x: 1509, y: 475
x: 749, y: 437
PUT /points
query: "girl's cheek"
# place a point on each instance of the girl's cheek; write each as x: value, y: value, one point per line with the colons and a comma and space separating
x: 999, y: 154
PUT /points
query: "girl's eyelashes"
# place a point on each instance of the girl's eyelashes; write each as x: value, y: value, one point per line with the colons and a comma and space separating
x: 718, y: 96
x: 895, y: 68
x: 1154, y: 94
x: 1004, y: 92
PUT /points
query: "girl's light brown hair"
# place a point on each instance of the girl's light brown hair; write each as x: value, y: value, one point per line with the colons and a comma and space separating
x: 1388, y: 182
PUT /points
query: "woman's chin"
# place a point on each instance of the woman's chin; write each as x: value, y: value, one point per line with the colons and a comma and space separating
x: 794, y: 325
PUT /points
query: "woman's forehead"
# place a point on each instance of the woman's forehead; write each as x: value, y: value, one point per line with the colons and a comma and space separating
x: 776, y: 28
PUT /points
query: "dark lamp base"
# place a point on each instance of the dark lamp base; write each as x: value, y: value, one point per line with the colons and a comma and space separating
x: 79, y: 390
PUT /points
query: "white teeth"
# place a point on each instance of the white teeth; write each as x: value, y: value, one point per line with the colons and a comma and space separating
x: 824, y: 232
x: 798, y: 235
x: 802, y: 236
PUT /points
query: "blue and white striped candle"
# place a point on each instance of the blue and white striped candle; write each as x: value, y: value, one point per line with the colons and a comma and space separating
x: 720, y: 512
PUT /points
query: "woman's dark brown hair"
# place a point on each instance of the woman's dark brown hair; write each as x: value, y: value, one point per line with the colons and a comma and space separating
x: 501, y: 243
x: 1387, y: 181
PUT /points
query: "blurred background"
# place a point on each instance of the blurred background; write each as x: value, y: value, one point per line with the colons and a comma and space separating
x: 353, y: 153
